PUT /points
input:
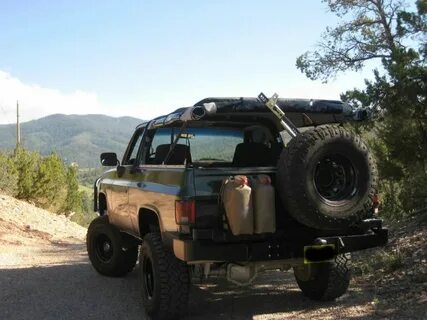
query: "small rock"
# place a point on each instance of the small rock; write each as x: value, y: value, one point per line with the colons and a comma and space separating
x: 417, y: 252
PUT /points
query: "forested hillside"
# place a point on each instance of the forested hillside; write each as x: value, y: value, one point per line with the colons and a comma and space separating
x: 76, y: 138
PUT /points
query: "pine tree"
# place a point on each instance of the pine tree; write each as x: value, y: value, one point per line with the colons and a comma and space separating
x: 50, y: 187
x: 26, y: 163
x: 73, y: 202
x: 391, y: 32
x: 8, y: 174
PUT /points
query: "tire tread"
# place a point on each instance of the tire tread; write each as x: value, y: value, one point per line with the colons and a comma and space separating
x: 174, y: 280
x: 330, y: 280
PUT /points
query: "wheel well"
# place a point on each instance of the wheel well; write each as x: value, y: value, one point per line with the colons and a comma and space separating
x: 148, y: 222
x: 102, y: 204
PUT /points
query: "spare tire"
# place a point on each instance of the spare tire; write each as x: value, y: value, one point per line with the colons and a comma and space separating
x: 327, y: 178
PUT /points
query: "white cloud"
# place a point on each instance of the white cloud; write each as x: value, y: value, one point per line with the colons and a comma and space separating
x: 36, y: 101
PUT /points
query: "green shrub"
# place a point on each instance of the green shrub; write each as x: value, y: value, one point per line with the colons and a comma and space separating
x: 26, y: 164
x: 46, y: 181
x: 73, y: 200
x: 50, y: 188
x: 8, y: 175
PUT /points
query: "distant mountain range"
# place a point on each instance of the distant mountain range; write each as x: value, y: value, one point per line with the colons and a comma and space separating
x: 76, y: 138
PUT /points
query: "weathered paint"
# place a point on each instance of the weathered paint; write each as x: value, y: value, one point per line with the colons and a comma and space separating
x: 153, y: 187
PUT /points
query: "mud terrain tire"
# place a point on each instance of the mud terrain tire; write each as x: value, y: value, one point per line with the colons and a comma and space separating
x: 106, y: 249
x: 327, y: 178
x: 324, y: 281
x: 165, y: 281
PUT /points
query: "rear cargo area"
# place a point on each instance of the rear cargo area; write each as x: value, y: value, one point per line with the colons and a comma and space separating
x: 254, y: 209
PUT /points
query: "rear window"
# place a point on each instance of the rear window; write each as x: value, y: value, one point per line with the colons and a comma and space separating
x: 206, y: 144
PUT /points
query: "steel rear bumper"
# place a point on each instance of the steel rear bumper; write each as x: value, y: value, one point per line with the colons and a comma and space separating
x: 205, y: 250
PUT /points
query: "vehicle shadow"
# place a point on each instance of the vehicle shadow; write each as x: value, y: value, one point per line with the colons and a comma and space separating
x: 273, y: 295
x: 69, y: 291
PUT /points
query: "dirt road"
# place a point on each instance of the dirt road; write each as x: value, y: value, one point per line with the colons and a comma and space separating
x: 48, y: 276
x: 67, y: 287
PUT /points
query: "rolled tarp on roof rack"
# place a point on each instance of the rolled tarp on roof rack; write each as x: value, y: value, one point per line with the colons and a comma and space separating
x: 226, y: 105
x: 211, y: 106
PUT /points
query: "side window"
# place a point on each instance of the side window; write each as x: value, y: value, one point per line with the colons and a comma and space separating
x: 161, y: 136
x: 132, y: 154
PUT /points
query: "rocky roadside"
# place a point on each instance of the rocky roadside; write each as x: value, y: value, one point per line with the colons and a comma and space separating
x: 397, y: 273
x: 30, y: 236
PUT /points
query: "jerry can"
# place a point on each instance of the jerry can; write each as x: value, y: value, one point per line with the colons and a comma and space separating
x: 264, y: 205
x: 237, y: 199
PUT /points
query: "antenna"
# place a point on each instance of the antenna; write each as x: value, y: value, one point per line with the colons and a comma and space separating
x: 18, y: 128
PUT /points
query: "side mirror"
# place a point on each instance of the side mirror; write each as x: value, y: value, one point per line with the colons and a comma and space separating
x: 109, y: 159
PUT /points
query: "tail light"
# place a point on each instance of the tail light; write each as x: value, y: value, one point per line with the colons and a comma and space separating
x: 375, y: 203
x: 185, y: 212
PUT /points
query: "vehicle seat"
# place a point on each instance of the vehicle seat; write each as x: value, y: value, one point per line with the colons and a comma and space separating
x: 180, y: 154
x: 276, y: 150
x: 251, y: 154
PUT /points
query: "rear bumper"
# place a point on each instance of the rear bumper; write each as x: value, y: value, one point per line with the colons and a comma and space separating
x: 278, y: 249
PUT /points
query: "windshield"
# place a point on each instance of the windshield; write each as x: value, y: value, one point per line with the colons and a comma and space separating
x: 206, y: 144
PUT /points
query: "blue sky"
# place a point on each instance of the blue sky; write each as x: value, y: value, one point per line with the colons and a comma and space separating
x: 145, y: 58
